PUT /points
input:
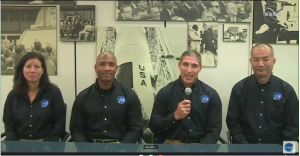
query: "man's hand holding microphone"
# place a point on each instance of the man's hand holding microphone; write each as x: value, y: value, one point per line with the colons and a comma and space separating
x: 184, y: 107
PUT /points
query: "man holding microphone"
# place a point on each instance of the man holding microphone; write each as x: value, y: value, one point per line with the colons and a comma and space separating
x: 187, y: 110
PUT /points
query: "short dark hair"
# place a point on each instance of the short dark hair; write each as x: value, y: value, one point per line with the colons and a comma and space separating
x: 191, y: 53
x: 263, y: 44
x: 20, y: 85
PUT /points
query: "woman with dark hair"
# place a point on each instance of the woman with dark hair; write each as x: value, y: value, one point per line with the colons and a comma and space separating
x: 34, y: 109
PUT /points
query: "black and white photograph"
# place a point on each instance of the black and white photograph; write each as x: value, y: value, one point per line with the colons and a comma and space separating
x: 168, y: 10
x: 77, y: 23
x: 203, y: 38
x: 147, y: 58
x: 235, y: 32
x: 28, y: 29
x: 276, y: 22
x: 39, y: 2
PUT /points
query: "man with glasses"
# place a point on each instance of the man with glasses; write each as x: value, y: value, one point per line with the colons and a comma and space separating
x: 214, y: 7
x: 125, y: 13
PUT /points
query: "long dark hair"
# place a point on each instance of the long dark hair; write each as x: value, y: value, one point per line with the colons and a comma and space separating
x: 20, y: 83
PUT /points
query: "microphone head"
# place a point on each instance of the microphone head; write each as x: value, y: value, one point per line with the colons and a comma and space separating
x: 188, y: 91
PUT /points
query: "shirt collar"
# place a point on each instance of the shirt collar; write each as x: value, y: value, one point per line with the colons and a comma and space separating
x: 271, y: 80
x: 113, y: 86
x: 194, y: 86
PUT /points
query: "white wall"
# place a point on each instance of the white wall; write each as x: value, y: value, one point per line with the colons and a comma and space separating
x: 233, y: 61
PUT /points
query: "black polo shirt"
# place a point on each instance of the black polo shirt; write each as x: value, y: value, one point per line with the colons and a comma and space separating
x: 115, y: 113
x: 263, y: 113
x: 44, y: 118
x: 203, y: 122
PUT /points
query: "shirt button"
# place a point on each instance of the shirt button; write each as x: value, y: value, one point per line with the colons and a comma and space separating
x: 260, y: 114
x: 104, y: 118
x: 166, y: 127
x: 259, y: 126
x: 31, y: 106
x: 174, y: 122
x: 30, y: 115
x: 30, y: 125
x: 104, y: 106
x: 261, y: 102
x: 262, y: 90
x: 29, y: 135
x: 190, y: 130
x: 105, y: 131
x: 189, y: 118
x: 259, y: 139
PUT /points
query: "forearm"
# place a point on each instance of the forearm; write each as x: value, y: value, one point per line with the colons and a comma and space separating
x: 162, y: 124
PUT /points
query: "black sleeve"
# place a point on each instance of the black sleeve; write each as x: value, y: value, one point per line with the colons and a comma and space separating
x: 214, y: 120
x: 59, y: 115
x: 233, y: 116
x: 291, y: 117
x: 9, y: 124
x: 77, y: 123
x: 160, y: 121
x: 134, y: 120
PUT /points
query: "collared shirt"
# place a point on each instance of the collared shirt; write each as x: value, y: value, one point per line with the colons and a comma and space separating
x: 204, y: 120
x: 44, y: 118
x: 107, y: 114
x: 263, y: 113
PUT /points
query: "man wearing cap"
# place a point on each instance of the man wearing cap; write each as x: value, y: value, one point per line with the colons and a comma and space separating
x: 262, y: 107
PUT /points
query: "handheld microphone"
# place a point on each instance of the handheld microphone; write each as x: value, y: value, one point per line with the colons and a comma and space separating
x: 187, y: 92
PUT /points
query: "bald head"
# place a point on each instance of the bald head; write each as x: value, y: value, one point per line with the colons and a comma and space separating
x: 263, y: 47
x: 105, y: 54
x: 262, y: 61
x: 106, y: 67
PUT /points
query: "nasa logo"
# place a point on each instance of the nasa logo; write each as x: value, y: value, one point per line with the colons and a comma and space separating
x: 204, y: 99
x: 121, y: 99
x: 44, y: 103
x: 288, y: 147
x: 277, y: 96
x: 271, y: 14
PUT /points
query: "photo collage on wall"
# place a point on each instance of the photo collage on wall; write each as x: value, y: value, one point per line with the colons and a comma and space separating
x: 147, y: 56
x: 32, y: 26
x: 152, y: 53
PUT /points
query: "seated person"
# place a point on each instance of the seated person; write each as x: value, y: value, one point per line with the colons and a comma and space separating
x: 107, y: 111
x: 263, y: 109
x: 34, y: 109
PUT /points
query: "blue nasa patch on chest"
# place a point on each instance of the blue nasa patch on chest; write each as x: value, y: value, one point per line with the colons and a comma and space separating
x: 277, y: 96
x: 204, y: 98
x: 44, y: 103
x: 121, y: 100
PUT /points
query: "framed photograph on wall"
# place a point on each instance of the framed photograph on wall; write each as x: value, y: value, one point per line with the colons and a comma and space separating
x: 39, y: 2
x: 28, y: 29
x: 147, y: 60
x: 203, y: 38
x: 77, y: 23
x: 276, y: 22
x: 235, y: 32
x: 225, y: 11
